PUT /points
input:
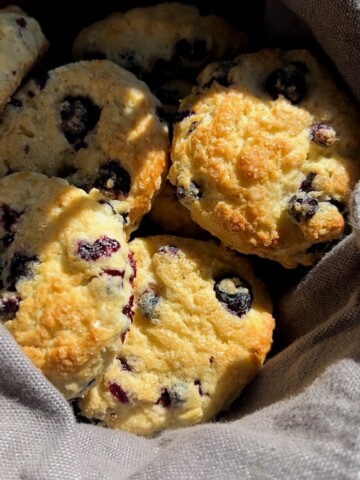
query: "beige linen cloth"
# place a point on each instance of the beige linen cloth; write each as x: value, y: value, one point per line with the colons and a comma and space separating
x: 299, y: 419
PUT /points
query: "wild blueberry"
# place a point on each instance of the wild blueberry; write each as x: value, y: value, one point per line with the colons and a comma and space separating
x: 148, y: 302
x: 183, y: 114
x: 8, y: 217
x: 302, y: 206
x: 15, y: 102
x: 287, y: 81
x: 322, y: 134
x: 41, y: 80
x: 188, y: 195
x: 79, y: 115
x: 21, y: 266
x: 9, y: 305
x: 306, y: 185
x: 169, y: 397
x: 21, y: 22
x: 114, y: 179
x: 220, y: 75
x: 234, y: 293
x: 170, y: 250
x: 102, y: 247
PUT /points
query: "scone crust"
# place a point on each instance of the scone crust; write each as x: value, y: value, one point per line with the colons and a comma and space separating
x: 71, y: 288
x: 250, y: 154
x: 22, y: 44
x: 188, y: 357
x: 127, y: 132
x: 170, y: 215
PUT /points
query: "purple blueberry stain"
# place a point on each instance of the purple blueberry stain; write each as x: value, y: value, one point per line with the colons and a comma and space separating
x: 128, y: 309
x: 21, y: 267
x: 132, y: 262
x: 102, y: 247
x: 21, y: 22
x: 9, y: 305
x: 234, y: 293
x: 113, y: 179
x: 79, y: 115
x: 118, y: 392
x: 124, y: 364
x: 123, y: 335
x: 211, y: 359
x: 112, y: 272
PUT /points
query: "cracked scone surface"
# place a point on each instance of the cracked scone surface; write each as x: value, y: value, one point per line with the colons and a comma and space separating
x: 94, y: 124
x: 66, y: 277
x: 160, y: 41
x: 22, y: 44
x: 265, y: 155
x: 201, y: 330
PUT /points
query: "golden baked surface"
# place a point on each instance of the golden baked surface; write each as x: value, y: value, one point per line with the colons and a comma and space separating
x: 169, y: 214
x: 22, y: 43
x: 66, y: 276
x: 265, y: 154
x: 187, y: 355
x: 93, y: 123
x: 160, y: 41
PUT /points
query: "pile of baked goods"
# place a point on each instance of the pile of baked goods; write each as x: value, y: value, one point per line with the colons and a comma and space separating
x: 226, y: 154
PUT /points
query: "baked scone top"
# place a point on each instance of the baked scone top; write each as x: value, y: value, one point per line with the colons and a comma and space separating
x: 66, y: 277
x: 201, y: 330
x: 265, y: 155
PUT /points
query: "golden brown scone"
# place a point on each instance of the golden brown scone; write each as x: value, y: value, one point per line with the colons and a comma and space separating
x: 66, y: 276
x: 201, y: 330
x: 160, y: 41
x: 265, y: 155
x: 22, y: 44
x: 169, y: 214
x: 93, y: 123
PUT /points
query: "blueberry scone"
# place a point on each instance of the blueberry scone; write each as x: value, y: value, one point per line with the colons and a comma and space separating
x: 66, y: 277
x: 94, y: 124
x: 265, y: 155
x: 160, y: 41
x: 172, y: 217
x: 201, y: 330
x: 22, y: 44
